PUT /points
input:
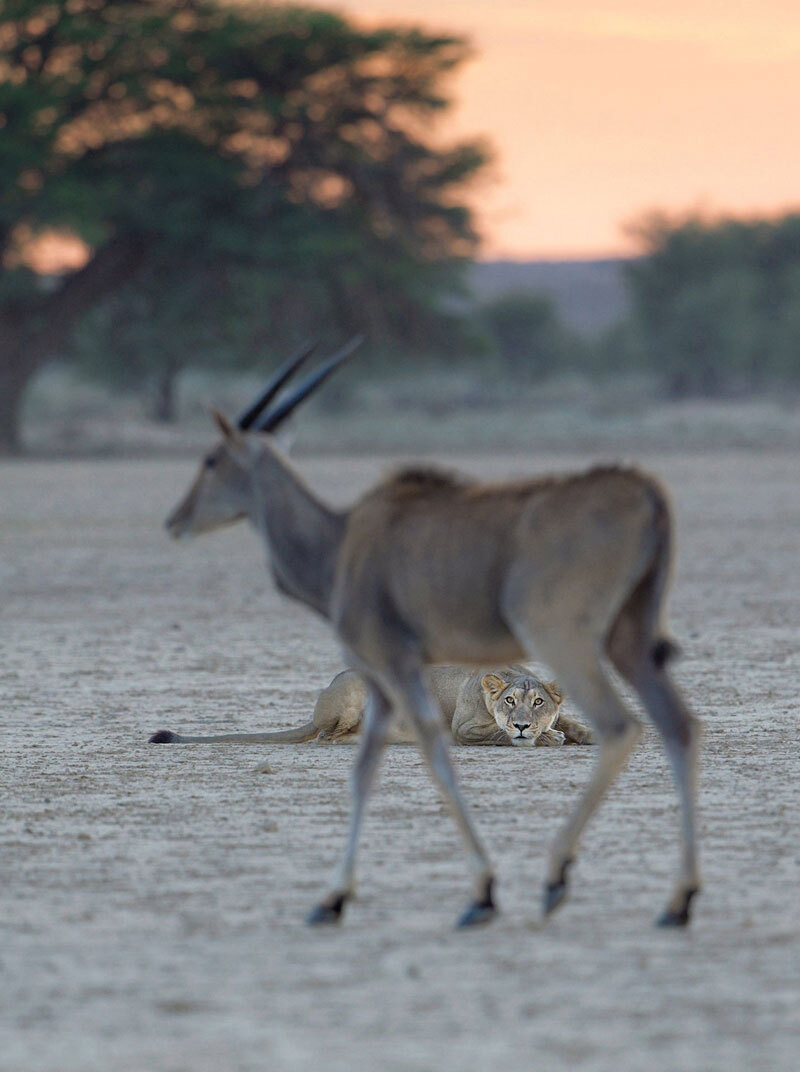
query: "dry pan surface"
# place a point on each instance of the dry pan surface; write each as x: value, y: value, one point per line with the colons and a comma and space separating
x: 153, y: 898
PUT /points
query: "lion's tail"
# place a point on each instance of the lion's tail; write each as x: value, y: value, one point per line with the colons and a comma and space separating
x: 302, y: 733
x: 664, y: 651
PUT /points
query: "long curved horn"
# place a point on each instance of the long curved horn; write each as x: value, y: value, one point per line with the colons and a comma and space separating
x: 270, y: 421
x: 279, y: 378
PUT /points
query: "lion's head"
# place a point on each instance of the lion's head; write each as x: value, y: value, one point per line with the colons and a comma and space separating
x: 523, y: 707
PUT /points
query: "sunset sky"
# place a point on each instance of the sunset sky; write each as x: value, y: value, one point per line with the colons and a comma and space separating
x: 601, y: 111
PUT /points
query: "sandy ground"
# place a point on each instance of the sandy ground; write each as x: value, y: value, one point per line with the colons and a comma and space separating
x: 153, y: 898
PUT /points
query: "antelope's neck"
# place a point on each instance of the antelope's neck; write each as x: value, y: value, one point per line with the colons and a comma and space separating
x: 303, y: 535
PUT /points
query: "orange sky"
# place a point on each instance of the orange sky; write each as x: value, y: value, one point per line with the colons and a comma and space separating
x: 600, y: 111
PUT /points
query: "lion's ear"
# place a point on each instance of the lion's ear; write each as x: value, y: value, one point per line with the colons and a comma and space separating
x: 493, y: 685
x: 555, y: 691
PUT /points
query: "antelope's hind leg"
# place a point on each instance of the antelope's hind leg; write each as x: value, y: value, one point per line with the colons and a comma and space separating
x: 680, y: 732
x: 641, y: 659
x: 377, y: 719
x: 617, y: 732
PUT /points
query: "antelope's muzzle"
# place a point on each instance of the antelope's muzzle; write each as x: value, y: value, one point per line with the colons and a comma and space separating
x: 177, y: 522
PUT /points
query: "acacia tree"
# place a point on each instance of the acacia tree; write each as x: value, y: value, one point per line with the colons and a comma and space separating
x: 191, y: 135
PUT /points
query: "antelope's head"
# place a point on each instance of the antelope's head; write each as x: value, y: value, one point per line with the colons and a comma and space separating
x: 221, y: 493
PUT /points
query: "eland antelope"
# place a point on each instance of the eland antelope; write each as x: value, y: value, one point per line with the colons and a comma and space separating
x: 429, y: 568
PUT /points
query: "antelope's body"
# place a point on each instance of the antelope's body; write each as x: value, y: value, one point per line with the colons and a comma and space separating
x: 427, y: 568
x: 450, y: 568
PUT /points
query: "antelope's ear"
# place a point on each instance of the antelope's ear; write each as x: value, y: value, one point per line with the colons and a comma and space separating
x: 224, y: 425
x: 555, y: 691
x: 493, y: 685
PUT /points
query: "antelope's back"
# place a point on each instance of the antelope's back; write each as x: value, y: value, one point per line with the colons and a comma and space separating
x: 423, y: 559
x: 430, y: 558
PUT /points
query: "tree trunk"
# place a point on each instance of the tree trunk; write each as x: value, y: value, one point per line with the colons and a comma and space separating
x: 165, y: 404
x: 13, y: 383
x: 341, y: 302
x: 678, y: 386
x: 24, y: 352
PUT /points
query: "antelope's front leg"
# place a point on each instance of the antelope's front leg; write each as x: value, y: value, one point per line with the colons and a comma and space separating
x: 416, y: 699
x: 373, y: 742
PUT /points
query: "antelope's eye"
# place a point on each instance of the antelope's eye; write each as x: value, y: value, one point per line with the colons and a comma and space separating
x: 538, y: 701
x: 210, y: 462
x: 510, y: 701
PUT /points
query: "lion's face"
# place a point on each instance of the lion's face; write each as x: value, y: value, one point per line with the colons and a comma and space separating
x: 523, y: 707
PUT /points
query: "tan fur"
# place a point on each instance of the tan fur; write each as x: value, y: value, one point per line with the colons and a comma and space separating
x: 467, y: 708
x: 429, y: 569
x: 473, y: 712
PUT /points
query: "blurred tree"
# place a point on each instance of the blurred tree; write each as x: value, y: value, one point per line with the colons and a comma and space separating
x: 528, y: 332
x: 189, y: 144
x: 717, y: 302
x: 154, y: 327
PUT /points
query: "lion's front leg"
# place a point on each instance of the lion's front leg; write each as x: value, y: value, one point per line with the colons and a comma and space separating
x: 574, y: 732
x: 478, y: 734
x: 550, y: 739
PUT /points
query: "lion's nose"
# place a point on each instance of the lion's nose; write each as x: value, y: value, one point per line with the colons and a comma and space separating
x: 522, y: 725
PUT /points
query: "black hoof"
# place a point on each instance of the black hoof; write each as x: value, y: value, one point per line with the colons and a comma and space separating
x: 673, y: 919
x: 677, y: 917
x: 556, y: 892
x: 482, y: 911
x: 326, y: 913
x: 477, y: 914
x: 163, y: 737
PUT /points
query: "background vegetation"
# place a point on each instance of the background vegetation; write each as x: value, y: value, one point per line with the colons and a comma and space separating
x: 237, y: 177
x: 716, y: 304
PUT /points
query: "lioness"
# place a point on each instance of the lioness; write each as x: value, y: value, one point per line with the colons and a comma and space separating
x: 505, y: 706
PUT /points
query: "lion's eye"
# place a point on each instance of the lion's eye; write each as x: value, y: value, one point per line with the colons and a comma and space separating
x: 510, y: 701
x: 538, y: 701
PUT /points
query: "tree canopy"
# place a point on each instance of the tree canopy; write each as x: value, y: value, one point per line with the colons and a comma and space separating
x: 210, y: 153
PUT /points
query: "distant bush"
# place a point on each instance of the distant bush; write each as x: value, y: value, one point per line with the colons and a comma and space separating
x: 716, y: 304
x: 528, y: 334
